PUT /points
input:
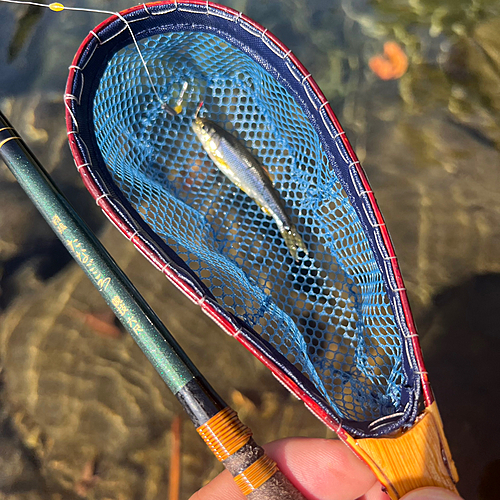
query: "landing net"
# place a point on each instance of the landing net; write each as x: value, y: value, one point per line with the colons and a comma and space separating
x: 329, y: 313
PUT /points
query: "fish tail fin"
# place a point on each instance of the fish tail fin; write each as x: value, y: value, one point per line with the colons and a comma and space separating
x: 293, y: 241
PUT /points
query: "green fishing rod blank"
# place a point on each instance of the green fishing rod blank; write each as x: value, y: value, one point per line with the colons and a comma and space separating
x: 130, y: 308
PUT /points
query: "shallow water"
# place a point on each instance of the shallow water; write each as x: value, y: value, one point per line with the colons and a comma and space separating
x: 429, y: 143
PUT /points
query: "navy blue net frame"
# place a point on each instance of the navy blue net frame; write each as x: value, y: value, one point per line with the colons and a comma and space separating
x: 333, y: 326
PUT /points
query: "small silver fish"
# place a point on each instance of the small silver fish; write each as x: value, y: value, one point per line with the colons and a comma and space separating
x: 236, y: 163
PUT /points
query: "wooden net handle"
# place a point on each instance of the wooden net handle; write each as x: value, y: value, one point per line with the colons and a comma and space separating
x: 413, y: 459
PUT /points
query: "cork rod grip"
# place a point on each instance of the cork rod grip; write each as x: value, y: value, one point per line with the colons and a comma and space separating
x: 257, y: 475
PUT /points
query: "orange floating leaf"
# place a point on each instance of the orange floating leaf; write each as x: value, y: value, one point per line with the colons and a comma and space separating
x: 392, y: 64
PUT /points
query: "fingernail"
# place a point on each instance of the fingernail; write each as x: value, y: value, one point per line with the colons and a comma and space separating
x: 431, y: 494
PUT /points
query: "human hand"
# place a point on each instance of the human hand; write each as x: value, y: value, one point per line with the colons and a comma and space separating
x: 322, y: 469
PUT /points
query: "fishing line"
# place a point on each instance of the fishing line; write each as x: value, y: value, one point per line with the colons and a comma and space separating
x: 59, y: 7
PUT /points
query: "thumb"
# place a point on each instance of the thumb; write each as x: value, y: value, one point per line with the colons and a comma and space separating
x: 431, y: 494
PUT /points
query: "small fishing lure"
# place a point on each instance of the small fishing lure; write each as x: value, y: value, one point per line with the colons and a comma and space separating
x: 246, y: 172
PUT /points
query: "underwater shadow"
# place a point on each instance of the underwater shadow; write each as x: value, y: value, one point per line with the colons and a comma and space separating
x: 461, y: 343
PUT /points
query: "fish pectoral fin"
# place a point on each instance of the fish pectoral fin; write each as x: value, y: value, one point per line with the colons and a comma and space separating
x: 265, y: 210
x: 260, y: 205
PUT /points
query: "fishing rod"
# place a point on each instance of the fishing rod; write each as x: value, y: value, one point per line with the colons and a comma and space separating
x: 228, y: 438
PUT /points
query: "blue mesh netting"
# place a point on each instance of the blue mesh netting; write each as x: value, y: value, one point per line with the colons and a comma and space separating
x: 328, y: 313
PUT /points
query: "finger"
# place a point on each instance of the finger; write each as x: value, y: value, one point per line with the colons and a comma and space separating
x: 321, y: 469
x: 222, y: 487
x: 431, y: 494
x: 376, y: 493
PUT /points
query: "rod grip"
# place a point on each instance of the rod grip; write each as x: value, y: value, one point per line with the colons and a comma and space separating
x: 256, y: 474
